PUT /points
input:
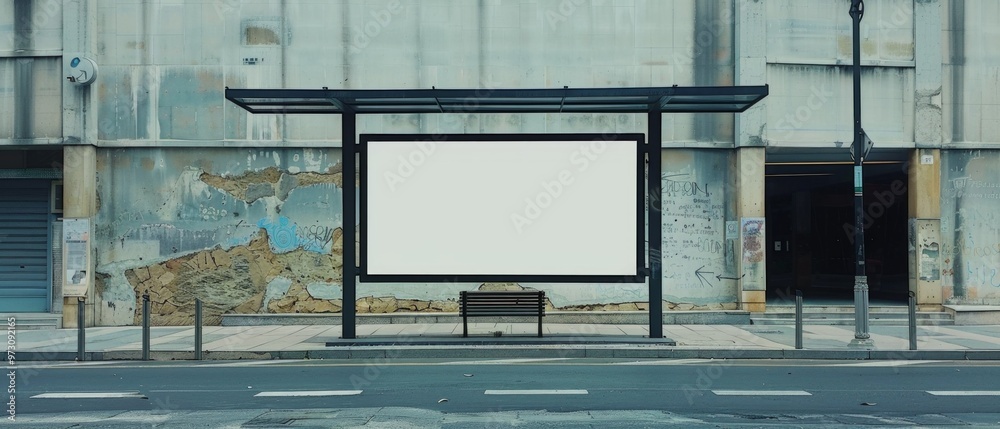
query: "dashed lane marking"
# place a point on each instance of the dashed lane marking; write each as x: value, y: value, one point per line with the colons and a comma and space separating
x: 296, y: 393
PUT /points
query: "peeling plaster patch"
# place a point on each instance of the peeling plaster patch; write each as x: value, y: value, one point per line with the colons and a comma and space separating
x: 232, y: 281
x: 324, y: 291
x: 256, y: 191
x: 285, y: 185
x: 276, y: 289
x: 271, y: 181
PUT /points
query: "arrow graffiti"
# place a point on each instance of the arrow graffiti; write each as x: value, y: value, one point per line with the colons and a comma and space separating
x: 720, y: 277
x: 701, y: 276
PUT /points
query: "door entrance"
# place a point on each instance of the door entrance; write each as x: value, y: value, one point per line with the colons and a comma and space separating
x: 810, y: 231
x: 25, y: 282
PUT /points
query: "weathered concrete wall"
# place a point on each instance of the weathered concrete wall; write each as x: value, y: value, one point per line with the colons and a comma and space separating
x: 699, y: 259
x: 165, y: 64
x: 259, y: 231
x: 971, y: 72
x: 30, y: 99
x: 811, y: 105
x: 30, y: 71
x: 970, y: 226
x: 807, y: 31
x: 242, y: 229
x: 809, y: 52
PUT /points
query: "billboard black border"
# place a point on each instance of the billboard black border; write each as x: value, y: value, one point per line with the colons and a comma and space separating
x: 640, y: 259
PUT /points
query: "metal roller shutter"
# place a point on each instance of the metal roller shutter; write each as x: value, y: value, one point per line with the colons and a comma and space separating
x: 24, y: 246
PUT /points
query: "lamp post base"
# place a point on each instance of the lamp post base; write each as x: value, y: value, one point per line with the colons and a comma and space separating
x: 862, y: 339
x: 861, y: 343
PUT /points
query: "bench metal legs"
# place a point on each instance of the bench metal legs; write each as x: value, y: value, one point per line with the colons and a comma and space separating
x: 465, y: 326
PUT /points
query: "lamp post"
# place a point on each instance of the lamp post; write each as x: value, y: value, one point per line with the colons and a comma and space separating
x: 861, y: 336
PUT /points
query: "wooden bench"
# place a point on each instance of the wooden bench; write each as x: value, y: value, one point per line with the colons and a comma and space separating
x: 501, y: 303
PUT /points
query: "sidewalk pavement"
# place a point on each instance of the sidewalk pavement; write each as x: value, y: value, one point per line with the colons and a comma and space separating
x: 516, y: 340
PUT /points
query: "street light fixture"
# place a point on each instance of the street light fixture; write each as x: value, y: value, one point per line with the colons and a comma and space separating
x: 858, y: 151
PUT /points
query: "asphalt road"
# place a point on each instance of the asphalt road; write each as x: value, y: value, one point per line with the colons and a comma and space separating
x: 735, y: 393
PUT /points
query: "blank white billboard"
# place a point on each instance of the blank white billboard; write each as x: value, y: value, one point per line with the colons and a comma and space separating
x: 501, y: 207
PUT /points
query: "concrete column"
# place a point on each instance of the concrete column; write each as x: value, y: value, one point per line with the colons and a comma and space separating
x: 925, y: 227
x: 924, y: 169
x: 751, y: 69
x: 750, y: 204
x: 79, y: 201
x: 928, y: 130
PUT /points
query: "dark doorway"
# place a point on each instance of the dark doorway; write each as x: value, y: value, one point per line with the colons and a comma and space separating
x: 810, y: 231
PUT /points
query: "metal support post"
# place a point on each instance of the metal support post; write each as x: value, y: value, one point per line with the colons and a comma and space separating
x: 654, y: 185
x: 197, y: 329
x: 798, y: 320
x: 145, y: 326
x: 861, y: 336
x: 81, y: 329
x: 913, y: 321
x: 348, y: 150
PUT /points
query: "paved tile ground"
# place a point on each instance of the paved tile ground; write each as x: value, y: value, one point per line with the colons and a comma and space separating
x: 315, y: 337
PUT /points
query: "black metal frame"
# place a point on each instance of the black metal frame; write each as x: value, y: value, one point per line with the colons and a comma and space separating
x: 704, y: 99
x: 640, y: 155
x: 653, y: 101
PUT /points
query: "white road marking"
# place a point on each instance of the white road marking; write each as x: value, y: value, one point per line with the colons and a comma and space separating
x: 89, y: 395
x: 252, y: 363
x: 964, y: 392
x: 889, y: 363
x: 503, y: 361
x: 310, y: 393
x: 761, y: 393
x: 537, y: 392
x: 665, y: 362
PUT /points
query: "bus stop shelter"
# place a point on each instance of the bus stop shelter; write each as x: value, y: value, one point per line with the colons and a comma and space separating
x: 653, y: 101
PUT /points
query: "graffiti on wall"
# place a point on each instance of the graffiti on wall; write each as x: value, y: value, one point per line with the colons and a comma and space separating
x: 752, y: 237
x: 171, y: 226
x: 698, y: 260
x: 970, y: 226
x: 286, y: 235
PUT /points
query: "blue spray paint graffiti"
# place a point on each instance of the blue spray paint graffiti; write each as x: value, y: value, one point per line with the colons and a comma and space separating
x: 284, y: 236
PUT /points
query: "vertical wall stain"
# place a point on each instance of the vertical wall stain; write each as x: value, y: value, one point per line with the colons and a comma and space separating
x: 956, y: 19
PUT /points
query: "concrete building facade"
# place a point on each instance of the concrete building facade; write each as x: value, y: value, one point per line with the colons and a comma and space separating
x: 188, y: 196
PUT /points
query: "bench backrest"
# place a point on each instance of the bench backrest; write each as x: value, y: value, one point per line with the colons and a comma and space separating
x: 502, y: 303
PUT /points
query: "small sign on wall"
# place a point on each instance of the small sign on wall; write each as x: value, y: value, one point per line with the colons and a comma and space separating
x: 76, y: 257
x: 752, y: 234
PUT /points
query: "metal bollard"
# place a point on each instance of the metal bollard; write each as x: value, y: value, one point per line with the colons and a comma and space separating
x: 798, y: 320
x: 197, y: 329
x: 145, y: 326
x: 81, y: 329
x: 913, y: 321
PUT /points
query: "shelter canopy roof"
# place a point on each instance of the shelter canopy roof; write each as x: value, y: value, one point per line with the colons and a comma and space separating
x: 673, y: 99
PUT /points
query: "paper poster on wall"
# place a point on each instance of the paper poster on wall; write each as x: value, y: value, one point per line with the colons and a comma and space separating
x: 76, y: 256
x: 752, y: 235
